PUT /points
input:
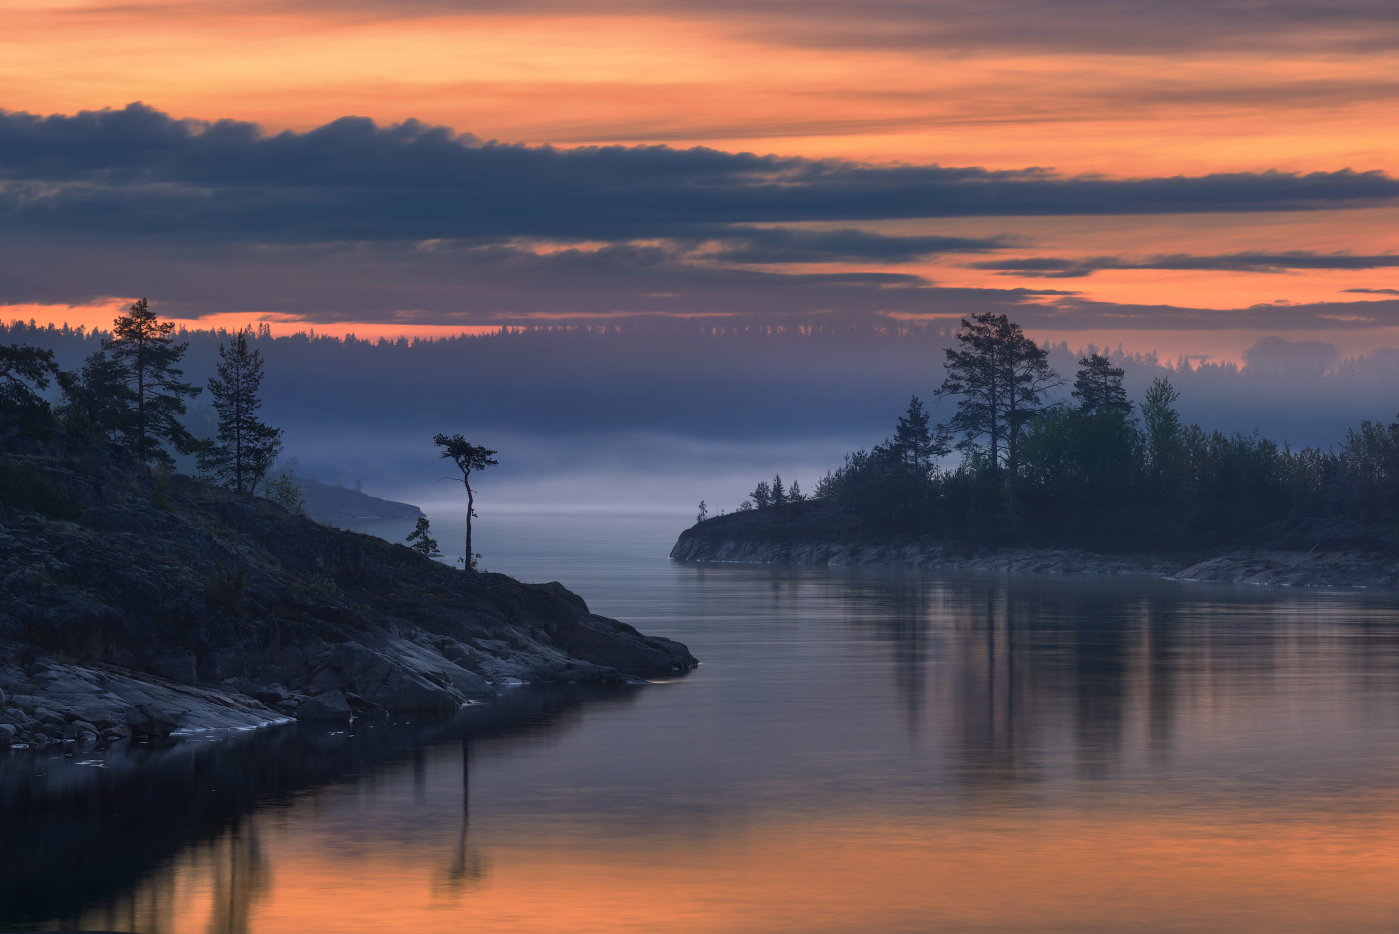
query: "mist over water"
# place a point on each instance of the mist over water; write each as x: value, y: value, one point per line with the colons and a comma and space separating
x: 857, y: 750
x: 655, y: 415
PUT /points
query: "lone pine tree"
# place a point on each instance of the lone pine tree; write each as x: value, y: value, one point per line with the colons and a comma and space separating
x: 467, y: 457
x: 246, y: 448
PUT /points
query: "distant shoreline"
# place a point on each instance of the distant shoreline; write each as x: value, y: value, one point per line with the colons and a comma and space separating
x: 813, y: 535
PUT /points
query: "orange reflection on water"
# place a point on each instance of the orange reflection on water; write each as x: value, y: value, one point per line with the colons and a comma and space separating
x: 1108, y: 867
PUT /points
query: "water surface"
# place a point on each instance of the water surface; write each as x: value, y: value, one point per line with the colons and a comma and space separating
x: 857, y: 751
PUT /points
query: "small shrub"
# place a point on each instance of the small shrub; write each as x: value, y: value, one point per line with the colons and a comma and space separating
x: 285, y: 493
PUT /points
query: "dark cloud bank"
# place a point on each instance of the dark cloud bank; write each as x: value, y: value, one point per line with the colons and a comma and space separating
x: 354, y: 221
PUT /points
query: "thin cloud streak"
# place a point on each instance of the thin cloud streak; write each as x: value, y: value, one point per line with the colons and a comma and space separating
x: 934, y: 25
x: 1060, y: 268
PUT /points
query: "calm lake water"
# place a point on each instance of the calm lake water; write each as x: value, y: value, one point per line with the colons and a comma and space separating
x: 857, y: 752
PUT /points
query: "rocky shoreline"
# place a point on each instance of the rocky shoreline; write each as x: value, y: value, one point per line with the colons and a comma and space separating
x: 134, y: 604
x: 1303, y: 553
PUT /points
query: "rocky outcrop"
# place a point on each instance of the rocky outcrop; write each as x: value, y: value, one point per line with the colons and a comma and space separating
x: 335, y: 504
x: 1304, y: 552
x: 1351, y: 568
x: 122, y: 590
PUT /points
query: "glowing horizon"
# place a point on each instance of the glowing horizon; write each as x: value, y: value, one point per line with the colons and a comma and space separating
x: 1136, y: 96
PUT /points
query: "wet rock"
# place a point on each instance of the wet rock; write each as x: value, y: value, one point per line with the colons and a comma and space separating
x: 410, y: 692
x: 270, y: 694
x: 8, y: 734
x: 150, y: 720
x: 94, y: 715
x: 332, y: 705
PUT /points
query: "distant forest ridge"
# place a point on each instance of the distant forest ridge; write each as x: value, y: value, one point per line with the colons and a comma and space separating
x: 731, y: 379
x: 1270, y: 353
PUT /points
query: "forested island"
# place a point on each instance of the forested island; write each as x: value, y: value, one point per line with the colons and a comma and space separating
x: 1058, y: 485
x: 136, y: 601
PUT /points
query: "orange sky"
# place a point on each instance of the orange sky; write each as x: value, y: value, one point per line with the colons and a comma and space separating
x: 571, y: 76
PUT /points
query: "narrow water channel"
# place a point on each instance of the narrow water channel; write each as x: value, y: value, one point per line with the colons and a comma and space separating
x: 857, y: 751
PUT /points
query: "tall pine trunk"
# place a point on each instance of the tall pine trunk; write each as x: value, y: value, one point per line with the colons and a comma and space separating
x: 470, y: 508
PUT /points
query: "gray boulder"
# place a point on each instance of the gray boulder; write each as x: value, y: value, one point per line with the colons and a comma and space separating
x: 97, y: 716
x: 149, y: 720
x: 8, y: 732
x: 332, y: 705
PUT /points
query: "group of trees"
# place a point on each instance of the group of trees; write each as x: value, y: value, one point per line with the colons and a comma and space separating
x: 1095, y: 470
x: 775, y: 494
x: 131, y: 393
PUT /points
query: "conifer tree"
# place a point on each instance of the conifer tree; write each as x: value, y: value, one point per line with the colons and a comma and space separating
x: 246, y: 448
x: 915, y: 443
x: 1001, y: 375
x: 778, y: 491
x: 24, y: 371
x: 98, y: 400
x: 1098, y: 387
x: 762, y: 495
x: 142, y: 346
x: 421, y: 538
x: 467, y: 457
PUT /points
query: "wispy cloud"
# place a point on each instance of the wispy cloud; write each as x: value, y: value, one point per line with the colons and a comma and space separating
x: 1058, y: 268
x: 1019, y: 25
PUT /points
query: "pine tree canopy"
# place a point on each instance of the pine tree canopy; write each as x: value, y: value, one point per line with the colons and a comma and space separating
x: 1000, y: 375
x: 246, y: 448
x: 141, y: 346
x: 1098, y: 387
x: 23, y: 372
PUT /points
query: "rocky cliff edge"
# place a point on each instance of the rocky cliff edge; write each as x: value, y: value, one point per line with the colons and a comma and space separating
x: 136, y: 603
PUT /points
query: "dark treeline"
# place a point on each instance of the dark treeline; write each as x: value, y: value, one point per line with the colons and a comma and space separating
x: 721, y: 378
x: 1092, y: 468
x: 130, y: 393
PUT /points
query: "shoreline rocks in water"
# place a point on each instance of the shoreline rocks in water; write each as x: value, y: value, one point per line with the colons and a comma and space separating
x: 1302, y: 553
x: 133, y: 603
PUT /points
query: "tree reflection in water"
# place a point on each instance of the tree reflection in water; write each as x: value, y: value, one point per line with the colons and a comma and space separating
x: 147, y: 834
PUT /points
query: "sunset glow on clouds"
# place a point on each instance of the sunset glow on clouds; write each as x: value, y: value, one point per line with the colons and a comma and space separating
x: 1098, y: 165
